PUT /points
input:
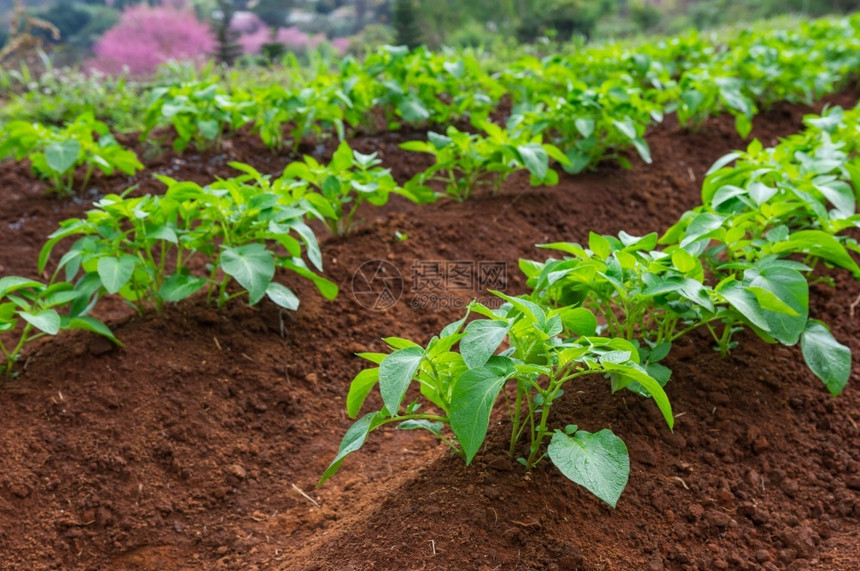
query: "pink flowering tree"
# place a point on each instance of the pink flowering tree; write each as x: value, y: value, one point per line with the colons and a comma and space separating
x: 146, y: 37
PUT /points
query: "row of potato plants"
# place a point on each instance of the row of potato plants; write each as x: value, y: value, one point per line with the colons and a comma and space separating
x: 615, y: 306
x: 590, y: 105
x: 226, y: 238
x: 153, y: 250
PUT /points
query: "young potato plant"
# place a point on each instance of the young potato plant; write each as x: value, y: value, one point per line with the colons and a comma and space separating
x: 546, y: 351
x: 337, y: 190
x: 200, y: 112
x: 312, y: 110
x: 150, y: 250
x: 654, y: 297
x: 464, y: 161
x: 31, y: 310
x: 55, y: 154
x: 590, y: 125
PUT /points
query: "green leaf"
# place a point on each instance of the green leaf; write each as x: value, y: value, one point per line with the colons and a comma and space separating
x: 9, y: 284
x: 180, y: 286
x: 683, y: 261
x: 650, y: 385
x: 353, y: 440
x: 482, y: 338
x: 412, y: 110
x: 769, y: 302
x: 826, y: 357
x: 821, y: 244
x: 790, y: 287
x: 585, y: 126
x: 252, y: 265
x: 115, y: 272
x: 472, y: 399
x: 360, y: 387
x: 90, y: 324
x: 745, y: 303
x: 599, y: 462
x: 578, y: 320
x: 282, y: 296
x: 46, y: 320
x: 599, y: 245
x: 62, y: 156
x: 395, y: 374
x: 422, y: 424
x: 208, y: 128
x: 535, y: 159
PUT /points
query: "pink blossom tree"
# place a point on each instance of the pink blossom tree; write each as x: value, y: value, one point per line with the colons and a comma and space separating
x: 146, y: 37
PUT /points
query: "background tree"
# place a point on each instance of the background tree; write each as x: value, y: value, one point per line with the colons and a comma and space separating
x: 227, y: 49
x: 405, y: 21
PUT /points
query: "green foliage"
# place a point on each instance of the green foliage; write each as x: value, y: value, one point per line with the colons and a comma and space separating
x: 55, y: 153
x: 147, y: 249
x: 30, y: 310
x: 546, y: 350
x: 615, y: 306
x: 200, y: 112
x: 336, y: 191
x: 464, y: 161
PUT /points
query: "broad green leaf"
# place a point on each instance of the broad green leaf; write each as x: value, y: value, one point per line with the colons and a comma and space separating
x: 821, y: 244
x: 701, y: 226
x: 412, y: 110
x: 683, y: 261
x: 360, y: 387
x: 90, y: 324
x: 826, y: 357
x: 578, y: 320
x: 745, y: 303
x: 282, y: 296
x: 790, y: 287
x: 598, y: 462
x: 9, y: 284
x: 395, y: 374
x: 535, y: 159
x: 252, y: 265
x: 115, y: 272
x: 180, y: 286
x: 472, y: 399
x: 422, y: 424
x: 769, y: 302
x: 482, y: 338
x: 62, y: 156
x: 599, y: 245
x: 353, y: 440
x: 46, y: 320
x: 648, y: 383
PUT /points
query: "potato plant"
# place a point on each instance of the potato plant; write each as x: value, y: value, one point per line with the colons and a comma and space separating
x: 615, y: 306
x: 30, y: 309
x: 337, y: 190
x: 546, y: 351
x: 465, y: 161
x: 55, y: 153
x: 150, y: 250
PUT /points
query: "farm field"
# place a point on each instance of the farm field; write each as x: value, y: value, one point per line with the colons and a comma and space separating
x: 199, y: 442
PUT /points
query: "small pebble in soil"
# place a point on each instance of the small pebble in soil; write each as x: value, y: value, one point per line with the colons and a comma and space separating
x: 236, y: 470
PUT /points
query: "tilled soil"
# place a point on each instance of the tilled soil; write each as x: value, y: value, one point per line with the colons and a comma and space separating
x: 199, y: 443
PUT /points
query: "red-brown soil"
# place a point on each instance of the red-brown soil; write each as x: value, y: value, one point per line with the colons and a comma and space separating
x: 198, y: 445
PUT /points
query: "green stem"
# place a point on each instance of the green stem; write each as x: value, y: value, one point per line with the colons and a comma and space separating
x: 515, y: 429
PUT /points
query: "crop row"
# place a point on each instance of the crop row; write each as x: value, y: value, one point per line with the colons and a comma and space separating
x: 591, y: 105
x: 614, y: 307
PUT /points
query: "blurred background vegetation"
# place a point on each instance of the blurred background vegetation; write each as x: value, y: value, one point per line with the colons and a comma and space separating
x: 293, y: 25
